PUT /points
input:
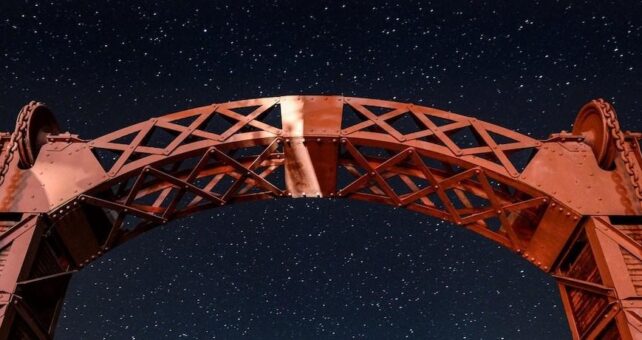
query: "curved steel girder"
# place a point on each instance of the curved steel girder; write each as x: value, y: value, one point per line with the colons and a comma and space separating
x: 310, y: 116
x: 442, y: 164
x: 438, y: 163
x: 81, y: 198
x: 465, y: 196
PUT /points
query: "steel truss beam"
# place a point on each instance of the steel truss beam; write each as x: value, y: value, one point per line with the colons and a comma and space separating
x: 554, y: 201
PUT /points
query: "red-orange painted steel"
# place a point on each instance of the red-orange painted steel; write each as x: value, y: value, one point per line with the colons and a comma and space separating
x: 571, y: 204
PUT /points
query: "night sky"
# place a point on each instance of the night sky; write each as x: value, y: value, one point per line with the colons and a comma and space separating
x: 316, y: 269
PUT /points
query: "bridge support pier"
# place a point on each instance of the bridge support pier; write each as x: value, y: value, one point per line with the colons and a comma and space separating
x: 32, y: 280
x: 600, y: 279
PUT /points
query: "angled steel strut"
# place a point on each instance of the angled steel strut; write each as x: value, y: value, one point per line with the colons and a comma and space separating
x: 570, y: 205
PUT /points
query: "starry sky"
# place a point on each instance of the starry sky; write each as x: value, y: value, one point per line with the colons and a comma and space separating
x: 316, y: 269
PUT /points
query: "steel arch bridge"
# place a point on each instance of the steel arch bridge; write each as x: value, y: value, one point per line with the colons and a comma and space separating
x: 570, y: 205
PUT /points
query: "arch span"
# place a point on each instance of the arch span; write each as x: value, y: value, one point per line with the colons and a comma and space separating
x: 543, y: 199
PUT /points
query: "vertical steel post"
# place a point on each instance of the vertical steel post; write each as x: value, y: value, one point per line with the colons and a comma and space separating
x: 18, y: 246
x: 600, y: 279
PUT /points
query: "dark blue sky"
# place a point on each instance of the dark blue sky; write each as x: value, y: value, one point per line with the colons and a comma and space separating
x: 322, y: 269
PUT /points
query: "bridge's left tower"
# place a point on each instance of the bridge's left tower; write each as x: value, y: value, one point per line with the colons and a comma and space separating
x: 570, y: 205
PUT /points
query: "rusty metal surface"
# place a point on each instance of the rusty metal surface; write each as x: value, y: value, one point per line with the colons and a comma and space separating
x: 531, y: 196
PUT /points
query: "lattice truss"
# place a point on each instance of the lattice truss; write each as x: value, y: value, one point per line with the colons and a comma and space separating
x: 437, y: 163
